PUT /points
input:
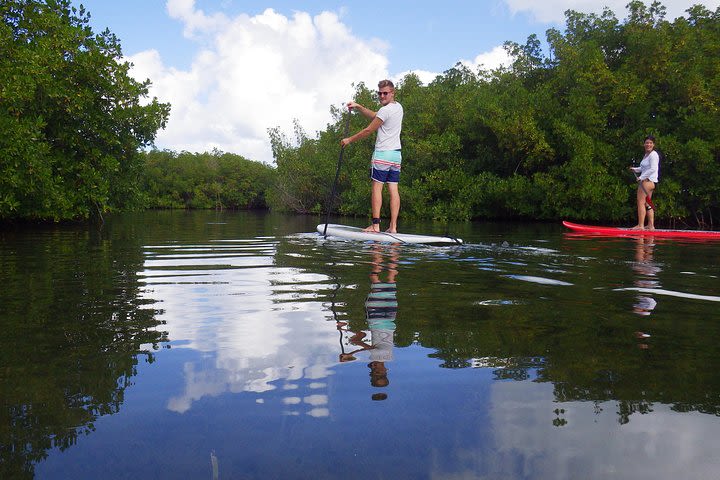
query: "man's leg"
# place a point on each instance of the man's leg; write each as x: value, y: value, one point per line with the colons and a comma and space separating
x: 394, y: 206
x: 375, y: 205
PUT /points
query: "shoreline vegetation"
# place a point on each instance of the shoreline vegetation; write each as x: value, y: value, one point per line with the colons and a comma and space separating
x: 548, y: 138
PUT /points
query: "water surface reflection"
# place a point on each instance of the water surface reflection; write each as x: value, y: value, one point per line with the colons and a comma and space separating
x: 253, y: 322
x: 510, y: 357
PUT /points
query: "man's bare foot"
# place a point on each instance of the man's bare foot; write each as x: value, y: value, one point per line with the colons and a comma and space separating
x: 638, y: 227
x: 650, y: 228
x: 390, y: 231
x: 375, y: 228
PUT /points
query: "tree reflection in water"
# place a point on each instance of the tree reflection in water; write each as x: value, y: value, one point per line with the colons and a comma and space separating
x: 73, y: 334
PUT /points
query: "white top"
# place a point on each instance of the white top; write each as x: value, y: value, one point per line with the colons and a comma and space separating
x: 388, y: 135
x: 649, y: 167
x: 382, y: 342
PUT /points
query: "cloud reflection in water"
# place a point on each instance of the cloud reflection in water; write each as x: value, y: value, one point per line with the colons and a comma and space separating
x: 256, y: 324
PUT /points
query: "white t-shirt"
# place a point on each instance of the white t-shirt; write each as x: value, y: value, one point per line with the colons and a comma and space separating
x: 649, y: 167
x: 382, y: 342
x: 388, y: 135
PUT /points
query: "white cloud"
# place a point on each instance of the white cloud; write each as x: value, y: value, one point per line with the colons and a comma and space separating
x: 194, y: 20
x: 495, y: 58
x: 424, y: 76
x: 255, y: 73
x: 553, y: 11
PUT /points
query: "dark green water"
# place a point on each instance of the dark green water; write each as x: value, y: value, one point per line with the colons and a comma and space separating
x: 205, y: 345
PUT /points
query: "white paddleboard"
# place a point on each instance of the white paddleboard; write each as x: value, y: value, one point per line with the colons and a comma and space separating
x: 355, y: 233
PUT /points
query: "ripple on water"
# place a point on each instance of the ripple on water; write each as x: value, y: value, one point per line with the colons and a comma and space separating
x: 671, y: 293
x: 540, y: 280
x: 498, y: 302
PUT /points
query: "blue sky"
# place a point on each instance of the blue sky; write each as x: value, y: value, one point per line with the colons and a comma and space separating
x: 232, y: 69
x: 431, y: 36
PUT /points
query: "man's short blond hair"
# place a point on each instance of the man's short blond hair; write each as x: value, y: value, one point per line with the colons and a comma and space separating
x: 386, y: 83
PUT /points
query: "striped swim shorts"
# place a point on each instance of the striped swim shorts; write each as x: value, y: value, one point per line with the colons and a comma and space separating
x: 386, y: 166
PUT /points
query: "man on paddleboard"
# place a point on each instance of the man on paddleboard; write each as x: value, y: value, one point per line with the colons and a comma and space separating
x: 387, y: 157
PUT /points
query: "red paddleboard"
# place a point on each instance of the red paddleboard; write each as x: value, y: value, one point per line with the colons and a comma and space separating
x: 618, y: 231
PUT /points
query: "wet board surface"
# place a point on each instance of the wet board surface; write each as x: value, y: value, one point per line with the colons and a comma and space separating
x: 618, y: 231
x: 355, y: 233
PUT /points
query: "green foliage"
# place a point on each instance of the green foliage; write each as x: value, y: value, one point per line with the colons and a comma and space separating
x: 550, y: 136
x: 71, y: 118
x: 205, y: 180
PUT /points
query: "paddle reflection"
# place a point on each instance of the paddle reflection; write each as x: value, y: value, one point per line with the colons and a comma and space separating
x: 381, y: 307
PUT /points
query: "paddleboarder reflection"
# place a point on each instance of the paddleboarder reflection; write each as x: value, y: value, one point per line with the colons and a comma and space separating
x: 646, y: 279
x: 381, y: 310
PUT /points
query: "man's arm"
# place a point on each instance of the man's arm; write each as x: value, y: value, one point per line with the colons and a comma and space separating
x: 365, y: 132
x: 364, y: 110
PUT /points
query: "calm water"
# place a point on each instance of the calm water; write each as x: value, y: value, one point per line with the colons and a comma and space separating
x: 204, y: 345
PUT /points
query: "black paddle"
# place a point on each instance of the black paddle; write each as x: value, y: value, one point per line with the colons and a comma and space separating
x: 337, y: 175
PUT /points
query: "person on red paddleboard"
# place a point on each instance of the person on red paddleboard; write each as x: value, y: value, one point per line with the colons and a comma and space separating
x: 649, y: 170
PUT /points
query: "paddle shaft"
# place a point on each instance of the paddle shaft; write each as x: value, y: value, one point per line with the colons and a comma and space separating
x: 337, y: 175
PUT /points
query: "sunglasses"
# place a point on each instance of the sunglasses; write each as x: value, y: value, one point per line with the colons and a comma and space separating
x: 382, y: 94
